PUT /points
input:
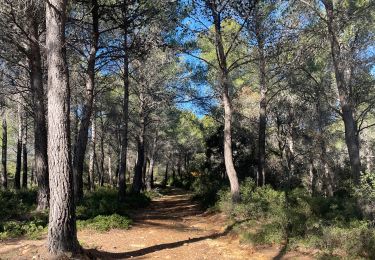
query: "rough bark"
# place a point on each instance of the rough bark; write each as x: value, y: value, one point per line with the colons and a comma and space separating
x: 225, y: 85
x: 40, y: 125
x: 17, y: 175
x: 4, y: 150
x: 346, y: 102
x: 24, y: 154
x: 82, y: 137
x: 62, y: 233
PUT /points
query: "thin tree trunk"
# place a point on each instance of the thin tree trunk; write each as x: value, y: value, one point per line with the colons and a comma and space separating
x: 62, y: 232
x: 346, y: 102
x: 149, y: 183
x: 40, y: 125
x: 81, y: 142
x: 262, y: 103
x: 125, y: 110
x: 165, y: 180
x: 24, y: 154
x: 17, y: 175
x: 4, y: 150
x: 91, y: 178
x: 110, y: 171
x: 138, y: 176
x: 102, y: 156
x: 225, y: 85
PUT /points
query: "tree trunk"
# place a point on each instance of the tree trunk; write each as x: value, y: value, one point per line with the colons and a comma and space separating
x: 110, y: 171
x: 91, y: 178
x: 40, y: 125
x: 346, y: 102
x: 4, y: 150
x: 262, y: 103
x: 17, y: 175
x: 138, y: 176
x: 62, y: 233
x: 165, y: 180
x: 102, y: 156
x: 125, y: 111
x: 149, y: 183
x: 24, y: 154
x: 225, y: 84
x: 81, y: 142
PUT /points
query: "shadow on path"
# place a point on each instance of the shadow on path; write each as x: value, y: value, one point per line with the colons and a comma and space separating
x: 96, y: 254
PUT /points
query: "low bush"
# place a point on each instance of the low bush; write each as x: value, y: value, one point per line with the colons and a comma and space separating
x: 105, y: 223
x: 334, y: 225
x: 99, y: 210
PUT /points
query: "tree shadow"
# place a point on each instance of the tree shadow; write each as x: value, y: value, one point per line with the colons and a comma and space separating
x: 96, y: 254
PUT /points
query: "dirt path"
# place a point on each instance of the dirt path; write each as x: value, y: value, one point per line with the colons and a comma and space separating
x: 172, y: 227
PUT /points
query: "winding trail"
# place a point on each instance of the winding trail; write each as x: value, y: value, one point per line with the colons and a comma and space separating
x: 172, y: 227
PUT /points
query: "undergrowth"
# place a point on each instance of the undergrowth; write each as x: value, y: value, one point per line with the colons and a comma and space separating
x: 334, y: 225
x: 99, y: 210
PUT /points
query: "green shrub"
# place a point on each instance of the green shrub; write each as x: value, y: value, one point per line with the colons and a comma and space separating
x: 105, y: 223
x: 268, y: 234
x: 334, y: 225
x: 104, y: 201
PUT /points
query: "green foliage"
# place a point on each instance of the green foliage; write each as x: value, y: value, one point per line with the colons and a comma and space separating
x: 105, y: 223
x: 104, y: 201
x: 99, y: 210
x: 333, y: 225
x: 16, y: 204
x: 205, y: 189
x: 365, y: 194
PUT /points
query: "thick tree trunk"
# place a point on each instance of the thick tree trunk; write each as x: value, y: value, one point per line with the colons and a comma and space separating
x: 62, y: 233
x: 24, y: 154
x: 81, y: 142
x: 4, y: 150
x: 346, y: 101
x: 17, y: 175
x: 225, y: 84
x: 40, y: 125
x: 91, y: 178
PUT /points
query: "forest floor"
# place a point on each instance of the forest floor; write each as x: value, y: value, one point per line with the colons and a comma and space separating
x: 171, y: 227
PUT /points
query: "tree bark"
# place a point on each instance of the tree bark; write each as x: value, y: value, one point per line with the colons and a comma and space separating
x: 91, y: 178
x: 17, y: 175
x: 40, y: 125
x: 82, y: 137
x: 225, y: 84
x: 263, y: 102
x: 62, y: 233
x: 4, y: 150
x: 165, y: 180
x: 24, y: 154
x: 346, y: 102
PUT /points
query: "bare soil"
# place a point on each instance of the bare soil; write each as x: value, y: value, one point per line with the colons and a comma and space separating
x: 172, y: 227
